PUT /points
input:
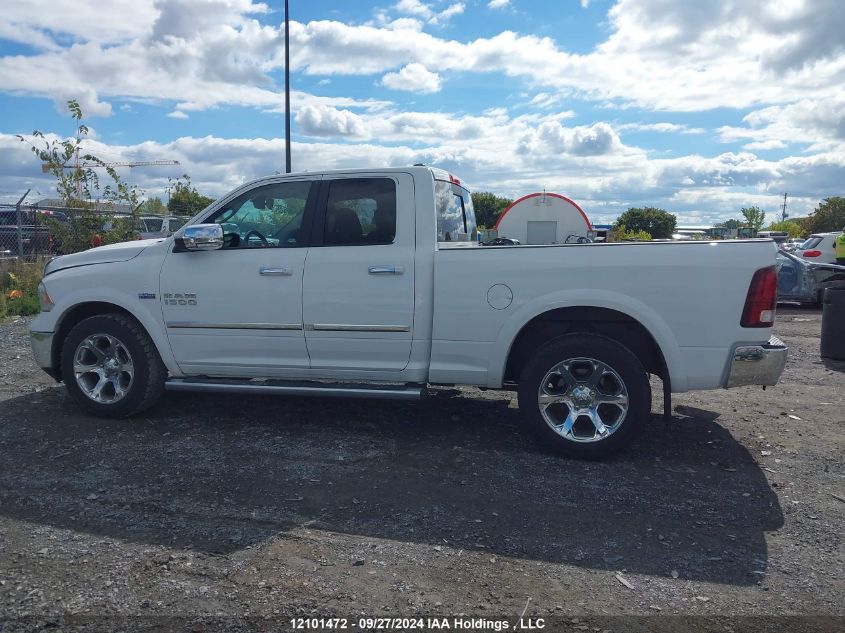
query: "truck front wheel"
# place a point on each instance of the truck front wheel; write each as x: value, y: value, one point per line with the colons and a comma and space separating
x: 584, y: 395
x: 111, y: 367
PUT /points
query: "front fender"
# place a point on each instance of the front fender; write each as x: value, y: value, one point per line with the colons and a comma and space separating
x: 148, y: 316
x: 648, y: 318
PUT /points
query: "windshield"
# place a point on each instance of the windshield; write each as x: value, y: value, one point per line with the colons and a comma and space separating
x: 152, y: 225
x: 455, y: 213
x: 176, y: 223
x: 811, y: 242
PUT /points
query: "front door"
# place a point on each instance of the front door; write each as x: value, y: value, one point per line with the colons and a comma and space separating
x: 238, y: 310
x: 358, y: 299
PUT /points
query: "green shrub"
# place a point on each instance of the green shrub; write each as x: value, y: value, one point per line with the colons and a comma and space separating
x: 23, y: 277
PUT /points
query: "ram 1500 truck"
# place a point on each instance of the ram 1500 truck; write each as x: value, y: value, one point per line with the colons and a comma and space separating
x: 371, y: 283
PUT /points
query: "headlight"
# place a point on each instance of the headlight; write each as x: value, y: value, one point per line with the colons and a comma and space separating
x: 44, y: 298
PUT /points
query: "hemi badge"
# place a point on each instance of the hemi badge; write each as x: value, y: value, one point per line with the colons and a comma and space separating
x: 146, y: 295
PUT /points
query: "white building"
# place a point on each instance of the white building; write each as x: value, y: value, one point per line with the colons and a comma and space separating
x: 544, y: 218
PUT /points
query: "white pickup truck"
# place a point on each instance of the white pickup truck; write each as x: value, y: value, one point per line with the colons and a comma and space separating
x: 371, y: 283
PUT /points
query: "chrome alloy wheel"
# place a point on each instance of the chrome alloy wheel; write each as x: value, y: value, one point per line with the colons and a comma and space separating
x: 583, y: 400
x: 103, y: 368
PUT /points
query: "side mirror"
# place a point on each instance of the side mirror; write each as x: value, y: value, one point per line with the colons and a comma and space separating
x: 202, y: 237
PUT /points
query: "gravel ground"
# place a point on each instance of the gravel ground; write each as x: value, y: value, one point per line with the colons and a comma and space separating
x: 211, y: 508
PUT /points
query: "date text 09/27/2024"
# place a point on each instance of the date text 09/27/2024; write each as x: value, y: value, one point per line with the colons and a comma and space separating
x: 419, y: 624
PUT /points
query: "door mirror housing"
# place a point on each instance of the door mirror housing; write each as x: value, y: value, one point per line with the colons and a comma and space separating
x: 201, y: 237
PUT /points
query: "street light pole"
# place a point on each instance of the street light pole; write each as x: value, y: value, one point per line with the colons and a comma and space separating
x: 287, y: 90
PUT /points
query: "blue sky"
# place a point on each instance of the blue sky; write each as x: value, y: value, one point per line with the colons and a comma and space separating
x: 698, y: 108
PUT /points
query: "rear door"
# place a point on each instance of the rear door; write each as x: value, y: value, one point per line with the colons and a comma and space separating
x: 358, y: 290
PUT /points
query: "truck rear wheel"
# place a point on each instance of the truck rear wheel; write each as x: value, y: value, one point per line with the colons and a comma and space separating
x: 584, y: 395
x: 111, y: 367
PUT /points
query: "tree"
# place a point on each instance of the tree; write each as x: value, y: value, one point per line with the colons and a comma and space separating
x: 829, y: 216
x: 754, y: 217
x: 730, y: 224
x: 789, y: 226
x: 659, y: 224
x: 152, y: 206
x: 622, y: 234
x: 184, y: 197
x: 488, y: 207
x: 78, y: 185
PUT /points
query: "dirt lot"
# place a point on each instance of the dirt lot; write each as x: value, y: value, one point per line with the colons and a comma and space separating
x: 220, y: 506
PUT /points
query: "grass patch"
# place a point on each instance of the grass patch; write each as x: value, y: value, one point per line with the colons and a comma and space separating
x: 19, y: 287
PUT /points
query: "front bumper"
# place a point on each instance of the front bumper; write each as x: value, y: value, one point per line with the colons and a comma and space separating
x: 757, y: 364
x: 42, y: 350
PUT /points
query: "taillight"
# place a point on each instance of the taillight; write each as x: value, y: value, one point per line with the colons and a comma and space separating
x: 813, y: 253
x: 761, y: 300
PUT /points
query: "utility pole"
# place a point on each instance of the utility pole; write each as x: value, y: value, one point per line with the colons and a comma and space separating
x: 784, y: 214
x: 287, y: 89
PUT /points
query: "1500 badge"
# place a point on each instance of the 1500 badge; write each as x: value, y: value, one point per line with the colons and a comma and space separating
x: 179, y: 298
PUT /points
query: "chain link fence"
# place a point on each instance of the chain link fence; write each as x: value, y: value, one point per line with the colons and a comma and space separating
x: 31, y: 231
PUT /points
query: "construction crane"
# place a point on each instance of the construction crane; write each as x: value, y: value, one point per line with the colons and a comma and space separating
x: 45, y: 167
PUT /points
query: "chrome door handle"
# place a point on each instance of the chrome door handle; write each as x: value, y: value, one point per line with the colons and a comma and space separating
x: 386, y: 270
x: 278, y: 272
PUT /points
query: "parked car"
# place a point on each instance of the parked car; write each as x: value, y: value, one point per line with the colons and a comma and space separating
x: 376, y: 286
x: 793, y: 244
x: 502, y: 241
x: 36, y: 231
x: 780, y: 237
x: 156, y: 226
x: 803, y: 281
x: 819, y: 248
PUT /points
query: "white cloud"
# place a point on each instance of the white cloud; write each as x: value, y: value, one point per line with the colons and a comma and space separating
x: 545, y: 100
x: 414, y: 7
x: 424, y: 11
x: 551, y: 138
x: 320, y: 120
x: 819, y: 123
x: 413, y: 78
x: 675, y: 56
x: 177, y: 114
x: 670, y: 128
x: 498, y: 4
x: 448, y: 13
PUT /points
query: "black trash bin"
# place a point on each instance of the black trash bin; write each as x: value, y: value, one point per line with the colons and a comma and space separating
x: 833, y: 323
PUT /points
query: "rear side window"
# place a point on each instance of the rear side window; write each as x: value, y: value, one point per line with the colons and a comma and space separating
x: 455, y: 213
x: 360, y: 211
x: 811, y: 242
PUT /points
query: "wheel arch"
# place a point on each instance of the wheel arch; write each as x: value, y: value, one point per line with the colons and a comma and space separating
x: 85, y: 309
x: 622, y: 319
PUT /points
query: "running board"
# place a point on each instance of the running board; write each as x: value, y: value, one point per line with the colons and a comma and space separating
x: 291, y: 388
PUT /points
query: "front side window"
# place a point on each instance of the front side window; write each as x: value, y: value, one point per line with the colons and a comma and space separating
x: 269, y: 216
x: 455, y: 213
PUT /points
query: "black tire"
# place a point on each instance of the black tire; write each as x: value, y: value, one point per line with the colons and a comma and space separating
x: 624, y: 366
x: 147, y: 382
